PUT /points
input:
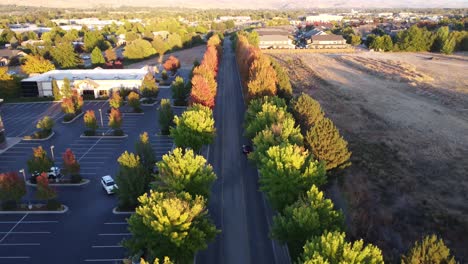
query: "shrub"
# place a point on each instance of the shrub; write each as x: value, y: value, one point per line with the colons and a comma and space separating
x: 166, y: 116
x: 172, y: 64
x: 179, y: 91
x: 134, y: 102
x: 45, y: 125
x: 326, y: 143
x: 149, y: 87
x: 430, y: 250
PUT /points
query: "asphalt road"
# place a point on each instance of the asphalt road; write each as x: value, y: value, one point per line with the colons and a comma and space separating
x: 88, y: 232
x: 236, y: 204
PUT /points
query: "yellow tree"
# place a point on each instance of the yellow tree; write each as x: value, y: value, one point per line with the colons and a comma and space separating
x: 262, y: 78
x: 37, y: 64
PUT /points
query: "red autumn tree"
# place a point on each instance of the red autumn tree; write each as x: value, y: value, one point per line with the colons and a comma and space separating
x: 68, y: 107
x: 12, y: 189
x: 70, y: 163
x: 172, y: 64
x: 44, y: 191
x: 201, y: 92
x: 210, y: 59
x: 207, y: 74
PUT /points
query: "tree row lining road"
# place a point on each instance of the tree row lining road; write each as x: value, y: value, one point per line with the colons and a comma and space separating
x: 236, y: 205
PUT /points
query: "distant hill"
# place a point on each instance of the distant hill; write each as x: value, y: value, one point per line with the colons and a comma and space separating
x: 248, y: 4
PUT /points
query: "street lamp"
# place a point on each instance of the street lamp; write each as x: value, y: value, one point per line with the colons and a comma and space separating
x: 100, y: 114
x: 24, y: 177
x: 52, y: 152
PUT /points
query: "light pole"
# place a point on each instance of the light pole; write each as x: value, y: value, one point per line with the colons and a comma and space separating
x: 52, y: 152
x: 100, y: 114
x: 24, y: 177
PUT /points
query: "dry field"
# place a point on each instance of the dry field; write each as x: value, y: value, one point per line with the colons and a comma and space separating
x: 186, y: 57
x: 405, y: 117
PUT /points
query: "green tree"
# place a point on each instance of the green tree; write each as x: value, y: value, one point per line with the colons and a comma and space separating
x: 283, y: 85
x: 96, y: 57
x: 166, y: 116
x: 326, y: 143
x: 449, y: 46
x: 430, y: 250
x: 56, y: 91
x: 134, y: 102
x: 64, y: 55
x: 169, y: 224
x: 270, y: 114
x: 181, y: 171
x: 131, y: 179
x: 256, y: 106
x: 414, y: 39
x: 145, y: 151
x: 45, y: 125
x: 159, y: 45
x: 194, y: 128
x: 37, y: 64
x: 332, y: 248
x: 309, y: 216
x: 387, y: 43
x: 440, y: 38
x: 174, y: 41
x: 12, y: 189
x: 138, y: 49
x: 149, y: 87
x: 287, y: 171
x: 307, y: 111
x: 39, y: 162
x: 354, y: 40
x: 66, y: 88
x: 179, y: 91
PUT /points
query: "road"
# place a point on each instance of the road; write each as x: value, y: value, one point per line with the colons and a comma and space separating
x: 236, y: 204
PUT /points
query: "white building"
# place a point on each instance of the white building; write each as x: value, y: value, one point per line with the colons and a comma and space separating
x: 323, y: 18
x: 98, y: 82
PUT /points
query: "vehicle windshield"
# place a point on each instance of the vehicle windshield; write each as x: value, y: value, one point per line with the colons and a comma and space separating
x: 110, y: 183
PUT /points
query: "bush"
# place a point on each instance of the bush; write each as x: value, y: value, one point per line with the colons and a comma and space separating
x: 430, y: 250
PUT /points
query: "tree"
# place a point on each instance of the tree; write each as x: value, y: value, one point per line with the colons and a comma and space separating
x: 430, y: 250
x: 37, y: 64
x: 326, y: 143
x: 288, y: 171
x: 166, y: 260
x: 39, y: 162
x: 309, y: 216
x: 185, y: 172
x: 56, y: 91
x: 131, y: 179
x: 354, y: 40
x: 414, y: 39
x: 110, y: 54
x: 71, y: 167
x: 96, y: 57
x: 194, y: 128
x: 166, y: 116
x: 307, y: 111
x: 144, y: 150
x: 210, y: 59
x: 77, y: 101
x: 115, y: 121
x: 169, y: 224
x: 449, y: 46
x: 440, y: 38
x: 387, y: 43
x: 270, y: 114
x: 45, y: 125
x: 149, y: 87
x: 172, y: 64
x: 174, y: 41
x: 332, y: 248
x: 64, y: 55
x: 66, y: 88
x: 207, y: 74
x: 68, y: 107
x: 283, y: 85
x: 256, y: 106
x: 12, y: 189
x: 90, y: 123
x: 138, y: 49
x: 179, y: 91
x: 116, y: 100
x: 159, y: 45
x: 134, y: 102
x: 45, y: 192
x: 262, y: 79
x: 201, y: 92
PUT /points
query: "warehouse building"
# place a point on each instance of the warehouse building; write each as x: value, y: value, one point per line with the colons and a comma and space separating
x: 98, y: 82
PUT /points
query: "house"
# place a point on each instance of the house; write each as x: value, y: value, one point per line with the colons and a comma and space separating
x: 323, y: 18
x: 98, y: 82
x: 275, y: 37
x: 327, y: 42
x: 10, y: 57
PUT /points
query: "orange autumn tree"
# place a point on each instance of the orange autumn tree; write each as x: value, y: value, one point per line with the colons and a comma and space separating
x: 208, y: 74
x: 210, y: 59
x: 115, y: 121
x: 12, y: 189
x: 45, y: 192
x: 172, y: 64
x: 70, y: 163
x: 77, y: 101
x: 201, y: 92
x: 68, y: 106
x: 262, y: 79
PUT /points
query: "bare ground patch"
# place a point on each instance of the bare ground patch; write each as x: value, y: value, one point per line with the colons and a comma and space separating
x: 410, y: 166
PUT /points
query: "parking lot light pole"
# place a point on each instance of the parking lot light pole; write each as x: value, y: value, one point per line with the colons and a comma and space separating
x: 100, y: 114
x: 24, y: 177
x: 52, y: 152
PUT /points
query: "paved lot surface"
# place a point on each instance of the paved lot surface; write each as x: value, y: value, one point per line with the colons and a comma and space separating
x: 88, y: 232
x: 236, y: 205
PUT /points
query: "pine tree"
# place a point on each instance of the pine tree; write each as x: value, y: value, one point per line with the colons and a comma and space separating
x: 430, y: 250
x: 307, y: 111
x: 179, y: 91
x: 56, y: 91
x: 66, y: 88
x: 145, y: 151
x: 131, y: 179
x: 96, y: 57
x: 326, y: 143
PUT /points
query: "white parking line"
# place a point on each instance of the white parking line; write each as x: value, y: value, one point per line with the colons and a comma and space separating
x: 116, y: 223
x: 113, y: 246
x: 28, y: 222
x: 102, y: 260
x: 116, y: 234
x: 15, y: 257
x: 21, y: 244
x: 38, y: 232
x: 13, y: 228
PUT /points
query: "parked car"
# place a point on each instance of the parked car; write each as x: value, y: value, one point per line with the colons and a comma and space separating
x: 246, y: 149
x: 108, y: 184
x: 53, y: 174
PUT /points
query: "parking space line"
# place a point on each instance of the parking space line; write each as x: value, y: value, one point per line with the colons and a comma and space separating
x: 13, y: 228
x: 112, y: 246
x: 116, y: 234
x: 21, y: 244
x: 38, y: 232
x: 15, y: 257
x: 116, y: 223
x: 29, y: 222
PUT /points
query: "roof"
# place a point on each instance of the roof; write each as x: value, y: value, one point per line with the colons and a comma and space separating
x: 9, y: 53
x: 314, y: 32
x: 274, y: 38
x: 327, y: 38
x: 95, y: 74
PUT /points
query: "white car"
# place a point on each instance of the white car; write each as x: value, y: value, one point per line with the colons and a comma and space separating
x: 108, y: 184
x: 53, y: 174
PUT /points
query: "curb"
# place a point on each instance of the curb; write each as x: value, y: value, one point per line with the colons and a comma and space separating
x: 40, y: 102
x: 40, y: 139
x: 74, y: 119
x: 114, y: 211
x: 164, y: 86
x: 131, y: 113
x: 179, y: 107
x: 64, y: 210
x: 104, y: 136
x: 84, y: 182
